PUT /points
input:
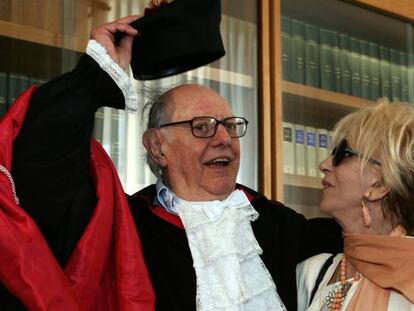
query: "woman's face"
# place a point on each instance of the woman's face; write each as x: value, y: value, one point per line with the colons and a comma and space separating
x: 344, y: 185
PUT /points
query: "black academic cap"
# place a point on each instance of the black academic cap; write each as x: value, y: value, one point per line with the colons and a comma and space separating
x: 177, y: 36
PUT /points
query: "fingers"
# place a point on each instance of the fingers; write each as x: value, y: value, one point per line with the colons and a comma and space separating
x: 120, y: 25
x: 112, y: 28
x: 128, y: 19
x: 126, y: 42
x: 105, y: 35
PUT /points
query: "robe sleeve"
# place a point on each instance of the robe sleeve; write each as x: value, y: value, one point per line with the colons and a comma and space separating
x: 51, y: 153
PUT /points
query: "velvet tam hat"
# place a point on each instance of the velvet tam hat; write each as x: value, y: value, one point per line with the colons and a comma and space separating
x: 175, y: 37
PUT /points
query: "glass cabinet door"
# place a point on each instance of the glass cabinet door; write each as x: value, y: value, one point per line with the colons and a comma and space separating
x: 336, y: 57
x: 40, y: 40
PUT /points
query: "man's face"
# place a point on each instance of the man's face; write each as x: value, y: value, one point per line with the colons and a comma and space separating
x: 199, y: 169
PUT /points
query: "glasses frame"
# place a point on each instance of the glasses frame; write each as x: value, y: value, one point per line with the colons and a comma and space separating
x: 341, y: 151
x: 217, y: 123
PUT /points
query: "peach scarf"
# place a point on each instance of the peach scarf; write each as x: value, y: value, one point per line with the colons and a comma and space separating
x: 386, y: 262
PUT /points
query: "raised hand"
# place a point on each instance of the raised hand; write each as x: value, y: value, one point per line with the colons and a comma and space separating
x: 104, y: 34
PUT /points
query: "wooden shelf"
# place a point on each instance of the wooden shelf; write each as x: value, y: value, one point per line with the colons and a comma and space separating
x: 325, y: 96
x: 302, y: 181
x: 404, y: 9
x: 317, y: 107
x: 41, y: 36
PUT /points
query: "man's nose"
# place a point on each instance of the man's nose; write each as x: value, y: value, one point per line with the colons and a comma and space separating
x: 222, y: 136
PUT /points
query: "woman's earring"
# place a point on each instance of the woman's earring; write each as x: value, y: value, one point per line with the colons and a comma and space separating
x: 365, y: 212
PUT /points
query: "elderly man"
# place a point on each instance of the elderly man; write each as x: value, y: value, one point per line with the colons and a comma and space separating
x: 207, y: 243
x: 204, y: 238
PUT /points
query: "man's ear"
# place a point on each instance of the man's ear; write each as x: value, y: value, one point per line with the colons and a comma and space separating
x: 152, y: 141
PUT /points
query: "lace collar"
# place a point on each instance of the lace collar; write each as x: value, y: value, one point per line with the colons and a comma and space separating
x: 226, y: 255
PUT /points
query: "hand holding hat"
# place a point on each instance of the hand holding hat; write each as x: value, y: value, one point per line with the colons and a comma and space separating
x: 120, y: 52
x: 175, y: 37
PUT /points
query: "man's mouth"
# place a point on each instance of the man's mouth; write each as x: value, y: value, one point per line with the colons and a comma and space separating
x: 218, y: 162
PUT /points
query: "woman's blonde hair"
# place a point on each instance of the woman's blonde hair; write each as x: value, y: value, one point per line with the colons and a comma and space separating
x: 385, y: 132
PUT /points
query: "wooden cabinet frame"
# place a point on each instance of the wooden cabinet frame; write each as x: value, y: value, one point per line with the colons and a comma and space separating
x: 270, y: 100
x: 272, y: 86
x: 399, y: 8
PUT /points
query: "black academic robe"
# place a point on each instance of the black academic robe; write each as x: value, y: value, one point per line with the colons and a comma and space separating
x: 285, y: 237
x: 50, y: 168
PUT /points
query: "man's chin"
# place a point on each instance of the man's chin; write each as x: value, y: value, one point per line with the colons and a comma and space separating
x: 221, y: 189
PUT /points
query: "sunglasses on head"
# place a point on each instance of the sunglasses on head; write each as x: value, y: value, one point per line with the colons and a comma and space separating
x: 342, y: 151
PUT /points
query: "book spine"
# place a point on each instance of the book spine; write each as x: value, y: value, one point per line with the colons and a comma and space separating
x: 321, y: 147
x: 374, y: 69
x: 3, y: 92
x: 336, y: 57
x: 355, y: 60
x: 288, y: 149
x: 310, y: 145
x: 312, y: 55
x: 300, y: 163
x: 404, y: 77
x: 298, y: 51
x: 385, y: 72
x: 395, y: 75
x: 365, y: 70
x: 326, y: 59
x: 330, y: 141
x: 286, y: 48
x: 345, y: 50
x: 410, y: 73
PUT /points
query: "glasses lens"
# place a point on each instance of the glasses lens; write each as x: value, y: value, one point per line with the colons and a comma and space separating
x: 338, y: 153
x: 206, y: 126
x: 203, y: 127
x: 235, y: 126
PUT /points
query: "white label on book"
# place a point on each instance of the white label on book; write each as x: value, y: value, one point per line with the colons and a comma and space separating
x: 310, y: 145
x: 321, y: 147
x: 300, y: 164
x: 288, y: 152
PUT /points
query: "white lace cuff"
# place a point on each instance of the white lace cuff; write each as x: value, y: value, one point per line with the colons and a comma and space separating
x: 99, y: 54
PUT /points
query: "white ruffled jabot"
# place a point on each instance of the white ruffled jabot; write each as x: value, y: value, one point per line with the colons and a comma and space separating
x: 99, y: 54
x: 230, y: 273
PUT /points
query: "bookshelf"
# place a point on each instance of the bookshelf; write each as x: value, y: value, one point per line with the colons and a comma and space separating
x: 321, y: 60
x: 302, y: 181
x: 41, y: 36
x: 39, y: 42
x: 43, y: 39
x: 324, y: 97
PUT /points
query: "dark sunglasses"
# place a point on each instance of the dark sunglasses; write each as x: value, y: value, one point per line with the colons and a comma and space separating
x: 341, y: 151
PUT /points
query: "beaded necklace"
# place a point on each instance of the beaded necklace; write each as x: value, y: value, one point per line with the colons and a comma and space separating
x: 337, y: 295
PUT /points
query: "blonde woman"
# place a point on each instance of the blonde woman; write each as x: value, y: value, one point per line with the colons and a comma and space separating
x: 368, y: 189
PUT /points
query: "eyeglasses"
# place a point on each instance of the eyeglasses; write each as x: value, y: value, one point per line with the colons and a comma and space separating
x: 341, y: 151
x: 205, y: 127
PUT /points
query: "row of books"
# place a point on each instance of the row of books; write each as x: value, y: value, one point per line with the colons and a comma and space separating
x: 304, y: 147
x: 12, y: 85
x: 330, y: 60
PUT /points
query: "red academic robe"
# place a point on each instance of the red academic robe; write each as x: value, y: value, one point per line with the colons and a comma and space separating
x: 105, y: 272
